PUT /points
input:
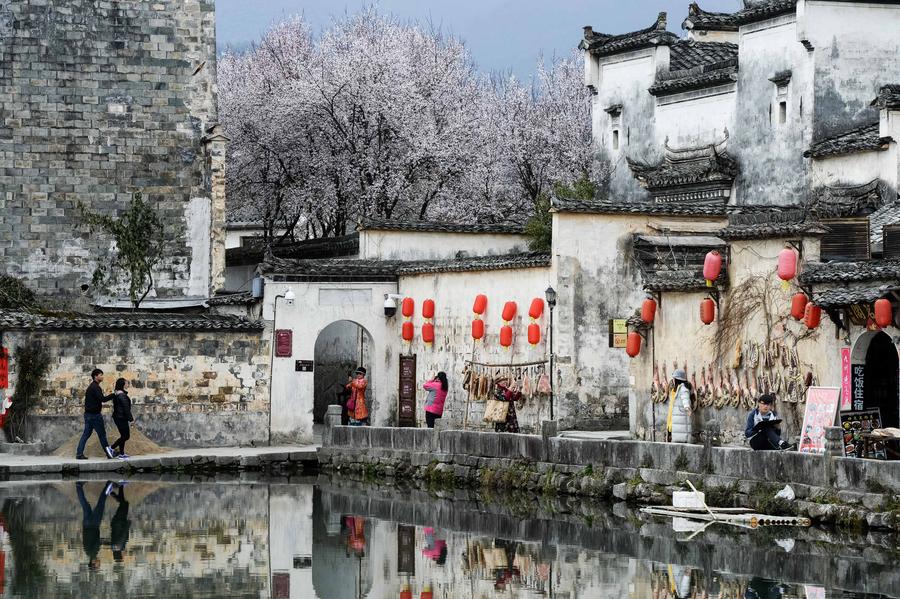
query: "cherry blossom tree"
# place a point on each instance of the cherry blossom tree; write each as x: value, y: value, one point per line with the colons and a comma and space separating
x: 381, y: 118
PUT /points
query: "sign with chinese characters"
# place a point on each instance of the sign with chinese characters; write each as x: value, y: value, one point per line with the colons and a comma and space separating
x: 283, y: 343
x: 618, y: 333
x: 858, y: 385
x: 303, y: 366
x: 821, y: 405
x: 856, y: 424
x: 846, y: 387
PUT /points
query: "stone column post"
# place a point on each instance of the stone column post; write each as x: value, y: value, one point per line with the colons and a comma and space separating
x: 834, y: 441
x: 215, y: 142
x: 332, y: 419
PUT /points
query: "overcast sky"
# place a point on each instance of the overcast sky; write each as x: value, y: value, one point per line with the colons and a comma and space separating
x: 501, y: 34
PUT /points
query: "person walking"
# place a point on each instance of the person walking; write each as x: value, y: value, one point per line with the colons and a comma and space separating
x: 122, y: 417
x: 436, y: 390
x: 356, y: 405
x: 93, y: 417
x: 678, y: 422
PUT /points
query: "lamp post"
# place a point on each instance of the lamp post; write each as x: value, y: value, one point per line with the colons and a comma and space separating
x: 550, y: 294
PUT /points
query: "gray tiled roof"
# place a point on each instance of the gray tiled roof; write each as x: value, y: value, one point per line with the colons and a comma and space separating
x: 838, y: 201
x: 844, y: 272
x: 232, y: 299
x: 679, y: 280
x: 701, y: 20
x: 600, y: 206
x: 696, y: 78
x: 889, y: 214
x: 858, y: 139
x: 393, y: 269
x: 126, y: 321
x: 687, y: 167
x: 327, y: 247
x: 847, y: 296
x: 427, y: 226
x: 604, y: 44
x: 772, y: 223
x: 888, y: 97
x: 688, y: 54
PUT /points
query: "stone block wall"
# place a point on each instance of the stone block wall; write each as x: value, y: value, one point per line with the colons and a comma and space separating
x: 99, y: 100
x: 189, y: 389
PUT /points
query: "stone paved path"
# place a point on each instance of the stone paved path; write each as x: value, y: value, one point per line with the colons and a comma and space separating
x: 220, y: 456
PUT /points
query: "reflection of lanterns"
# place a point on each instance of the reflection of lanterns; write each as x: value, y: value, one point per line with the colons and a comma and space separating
x: 812, y: 316
x: 406, y: 592
x: 506, y: 336
x: 408, y: 307
x: 509, y: 311
x: 408, y: 331
x: 798, y: 305
x: 480, y: 305
x: 633, y: 346
x: 707, y: 311
x: 428, y: 309
x: 477, y: 329
x: 787, y: 265
x: 884, y: 315
x: 648, y: 310
x: 426, y: 593
x: 536, y: 309
x: 534, y: 334
x: 428, y: 333
x: 712, y: 266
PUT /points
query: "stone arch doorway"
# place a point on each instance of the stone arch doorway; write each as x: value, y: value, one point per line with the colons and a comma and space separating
x: 876, y: 352
x: 340, y: 348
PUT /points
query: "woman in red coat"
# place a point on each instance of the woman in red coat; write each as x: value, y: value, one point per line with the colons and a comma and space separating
x: 356, y: 405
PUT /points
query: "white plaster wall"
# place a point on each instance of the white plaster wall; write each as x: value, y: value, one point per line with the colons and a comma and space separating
x: 293, y: 392
x: 415, y: 245
x: 454, y: 295
x: 856, y: 168
x: 198, y: 239
x: 695, y: 122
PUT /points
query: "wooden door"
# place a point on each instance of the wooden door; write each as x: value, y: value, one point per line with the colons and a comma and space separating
x: 407, y: 407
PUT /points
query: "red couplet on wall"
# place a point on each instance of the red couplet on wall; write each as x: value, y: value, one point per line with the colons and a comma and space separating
x: 428, y: 332
x: 506, y: 335
x: 283, y: 343
x: 477, y: 329
x: 428, y: 309
x: 4, y: 368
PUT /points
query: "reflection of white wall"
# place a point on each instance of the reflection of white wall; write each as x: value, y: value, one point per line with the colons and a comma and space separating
x: 290, y: 535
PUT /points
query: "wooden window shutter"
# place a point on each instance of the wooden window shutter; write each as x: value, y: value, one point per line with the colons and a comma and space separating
x: 846, y: 241
x: 891, y: 236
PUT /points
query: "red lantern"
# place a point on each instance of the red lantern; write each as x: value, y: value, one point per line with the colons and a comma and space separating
x: 477, y: 329
x: 787, y: 264
x: 648, y: 310
x: 707, y: 311
x: 534, y: 333
x: 408, y: 331
x: 884, y: 314
x: 798, y: 305
x: 812, y: 316
x: 428, y: 309
x: 537, y: 308
x: 408, y: 307
x: 633, y: 345
x: 712, y: 267
x: 506, y: 335
x: 509, y: 311
x: 480, y: 304
x: 428, y: 332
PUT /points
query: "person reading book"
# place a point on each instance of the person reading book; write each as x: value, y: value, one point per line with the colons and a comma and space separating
x: 763, y: 429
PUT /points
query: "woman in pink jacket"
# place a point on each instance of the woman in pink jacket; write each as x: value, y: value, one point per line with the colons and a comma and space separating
x: 434, y: 401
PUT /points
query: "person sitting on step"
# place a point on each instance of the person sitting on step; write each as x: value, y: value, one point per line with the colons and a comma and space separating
x: 762, y: 426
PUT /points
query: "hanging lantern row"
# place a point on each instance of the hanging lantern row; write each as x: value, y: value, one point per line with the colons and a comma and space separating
x: 712, y: 267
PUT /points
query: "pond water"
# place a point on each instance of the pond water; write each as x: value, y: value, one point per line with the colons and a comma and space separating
x: 340, y: 539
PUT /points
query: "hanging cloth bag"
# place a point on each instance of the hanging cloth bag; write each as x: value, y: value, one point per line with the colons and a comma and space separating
x: 495, y: 410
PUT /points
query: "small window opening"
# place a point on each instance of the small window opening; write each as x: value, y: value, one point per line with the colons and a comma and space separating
x: 615, y: 139
x: 782, y: 111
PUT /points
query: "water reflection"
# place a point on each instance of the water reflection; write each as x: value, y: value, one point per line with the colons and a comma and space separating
x: 338, y: 540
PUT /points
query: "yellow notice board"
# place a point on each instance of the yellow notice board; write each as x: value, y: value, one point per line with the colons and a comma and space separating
x: 618, y: 333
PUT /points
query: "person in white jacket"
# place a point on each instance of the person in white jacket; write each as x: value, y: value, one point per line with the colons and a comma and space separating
x: 678, y: 422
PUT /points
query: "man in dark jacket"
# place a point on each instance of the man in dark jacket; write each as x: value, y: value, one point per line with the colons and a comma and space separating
x: 93, y: 418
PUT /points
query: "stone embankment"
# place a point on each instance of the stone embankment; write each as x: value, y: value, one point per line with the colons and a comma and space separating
x: 846, y: 492
x: 271, y: 460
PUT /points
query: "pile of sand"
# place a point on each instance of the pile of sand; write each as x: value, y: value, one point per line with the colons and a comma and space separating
x: 137, y: 445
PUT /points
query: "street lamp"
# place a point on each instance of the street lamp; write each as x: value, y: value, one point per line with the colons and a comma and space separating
x: 550, y: 294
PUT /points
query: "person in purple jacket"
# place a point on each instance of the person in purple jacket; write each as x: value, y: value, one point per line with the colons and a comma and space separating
x: 437, y: 395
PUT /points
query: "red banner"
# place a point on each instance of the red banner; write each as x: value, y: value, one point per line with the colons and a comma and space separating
x: 846, y: 391
x: 4, y: 368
